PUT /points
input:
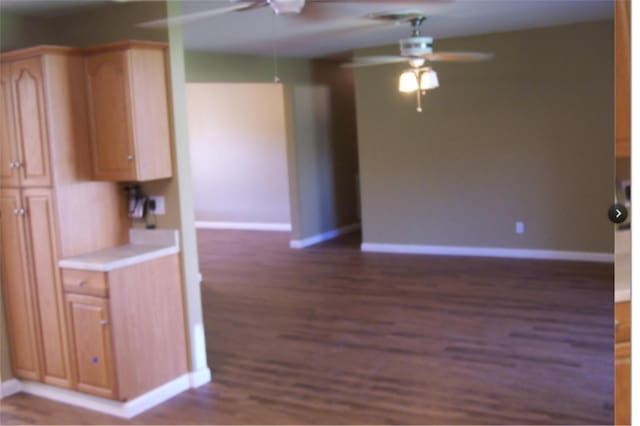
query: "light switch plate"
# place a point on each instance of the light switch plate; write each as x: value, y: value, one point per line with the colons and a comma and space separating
x: 159, y: 199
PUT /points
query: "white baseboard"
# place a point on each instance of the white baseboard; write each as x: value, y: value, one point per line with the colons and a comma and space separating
x: 199, y: 377
x: 487, y: 252
x: 249, y: 226
x: 125, y: 410
x: 10, y: 387
x: 315, y: 239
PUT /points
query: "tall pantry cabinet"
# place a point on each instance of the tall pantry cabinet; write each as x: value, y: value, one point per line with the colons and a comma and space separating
x: 49, y: 207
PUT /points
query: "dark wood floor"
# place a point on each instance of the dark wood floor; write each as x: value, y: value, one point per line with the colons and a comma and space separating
x: 329, y: 335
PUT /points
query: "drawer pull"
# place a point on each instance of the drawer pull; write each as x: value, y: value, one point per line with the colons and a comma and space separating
x: 617, y: 323
x: 82, y: 283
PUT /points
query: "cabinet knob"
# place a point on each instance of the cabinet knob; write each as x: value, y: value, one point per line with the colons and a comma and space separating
x: 19, y: 212
x: 617, y: 323
x: 130, y: 157
x: 82, y: 283
x: 19, y: 164
x: 104, y: 322
x: 12, y: 165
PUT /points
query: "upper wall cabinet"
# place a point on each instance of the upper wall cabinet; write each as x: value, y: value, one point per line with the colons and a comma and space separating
x: 128, y: 111
x: 623, y: 78
x: 24, y: 151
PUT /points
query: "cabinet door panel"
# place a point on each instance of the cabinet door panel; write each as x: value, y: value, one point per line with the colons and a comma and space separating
x: 43, y: 241
x: 8, y: 148
x: 622, y: 78
x: 623, y: 384
x: 16, y: 286
x: 90, y: 335
x: 31, y: 125
x: 110, y: 117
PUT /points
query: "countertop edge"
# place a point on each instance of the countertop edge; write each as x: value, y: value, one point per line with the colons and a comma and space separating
x: 622, y: 296
x: 117, y: 264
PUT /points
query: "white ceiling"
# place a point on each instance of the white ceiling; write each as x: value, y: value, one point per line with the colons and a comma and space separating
x: 329, y: 28
x: 334, y: 26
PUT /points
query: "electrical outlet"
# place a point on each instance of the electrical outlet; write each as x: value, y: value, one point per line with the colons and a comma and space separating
x: 159, y: 200
x: 519, y: 227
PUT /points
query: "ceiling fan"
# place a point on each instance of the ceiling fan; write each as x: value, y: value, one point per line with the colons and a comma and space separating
x: 417, y: 51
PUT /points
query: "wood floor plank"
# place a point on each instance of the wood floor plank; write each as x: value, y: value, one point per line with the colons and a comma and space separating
x: 331, y: 335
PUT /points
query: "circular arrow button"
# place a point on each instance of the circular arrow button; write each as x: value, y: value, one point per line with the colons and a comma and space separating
x: 617, y: 213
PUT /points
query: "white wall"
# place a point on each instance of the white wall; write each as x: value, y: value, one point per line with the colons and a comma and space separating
x: 238, y: 152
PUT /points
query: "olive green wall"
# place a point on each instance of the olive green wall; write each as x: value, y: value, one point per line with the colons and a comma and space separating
x: 5, y: 359
x: 116, y: 21
x: 18, y: 31
x: 322, y: 151
x: 203, y: 67
x: 96, y: 25
x: 322, y: 136
x: 527, y: 136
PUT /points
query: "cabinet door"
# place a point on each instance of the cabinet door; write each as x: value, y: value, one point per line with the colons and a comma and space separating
x: 31, y: 122
x: 622, y: 78
x: 16, y: 287
x: 8, y: 147
x: 43, y: 243
x: 623, y: 384
x: 110, y: 116
x: 90, y: 335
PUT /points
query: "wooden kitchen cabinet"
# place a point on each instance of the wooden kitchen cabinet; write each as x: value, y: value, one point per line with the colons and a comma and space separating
x: 90, y: 335
x: 25, y: 156
x: 623, y: 364
x: 133, y: 339
x: 8, y: 144
x: 42, y: 236
x: 51, y: 208
x: 35, y: 318
x: 43, y: 203
x: 622, y: 79
x: 623, y: 384
x: 128, y: 111
x: 18, y: 294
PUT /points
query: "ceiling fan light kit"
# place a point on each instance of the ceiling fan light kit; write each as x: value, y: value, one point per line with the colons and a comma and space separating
x: 419, y: 81
x: 414, y: 79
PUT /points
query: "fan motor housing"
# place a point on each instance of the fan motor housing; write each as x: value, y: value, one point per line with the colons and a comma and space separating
x: 416, y: 46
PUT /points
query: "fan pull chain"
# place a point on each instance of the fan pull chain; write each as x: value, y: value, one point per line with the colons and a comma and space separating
x: 419, y: 99
x: 274, y: 49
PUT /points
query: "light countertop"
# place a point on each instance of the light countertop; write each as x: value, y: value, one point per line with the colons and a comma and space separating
x: 623, y: 266
x: 144, y: 245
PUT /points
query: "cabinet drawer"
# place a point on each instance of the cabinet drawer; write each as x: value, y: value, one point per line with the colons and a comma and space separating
x: 85, y: 282
x: 623, y: 321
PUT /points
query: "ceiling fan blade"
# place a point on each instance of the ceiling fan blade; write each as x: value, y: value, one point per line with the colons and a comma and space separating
x: 457, y: 56
x: 191, y: 17
x: 367, y: 61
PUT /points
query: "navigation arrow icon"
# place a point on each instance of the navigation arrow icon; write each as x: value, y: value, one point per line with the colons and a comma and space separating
x: 617, y: 213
